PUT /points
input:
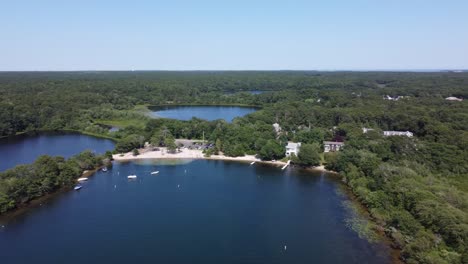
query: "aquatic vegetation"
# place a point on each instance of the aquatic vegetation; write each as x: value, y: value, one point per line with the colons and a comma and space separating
x: 359, y: 221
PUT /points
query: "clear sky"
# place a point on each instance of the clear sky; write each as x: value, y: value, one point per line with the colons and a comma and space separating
x: 233, y: 35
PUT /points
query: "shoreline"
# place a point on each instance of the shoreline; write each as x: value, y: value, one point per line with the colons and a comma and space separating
x: 198, y: 154
x: 71, y: 131
x: 146, y: 155
x: 39, y: 201
x: 202, y: 104
x: 149, y: 155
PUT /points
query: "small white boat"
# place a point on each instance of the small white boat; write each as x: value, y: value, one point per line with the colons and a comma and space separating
x: 77, y: 187
x: 104, y: 169
x: 252, y: 163
x: 82, y: 179
x: 131, y: 176
x: 154, y: 172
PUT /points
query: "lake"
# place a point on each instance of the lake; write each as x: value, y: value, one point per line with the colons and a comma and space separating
x: 24, y: 148
x: 254, y: 92
x: 210, y: 113
x: 192, y: 212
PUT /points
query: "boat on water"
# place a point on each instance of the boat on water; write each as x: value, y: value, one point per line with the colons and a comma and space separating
x: 154, y: 172
x: 76, y: 188
x: 82, y: 179
x: 252, y: 163
x: 131, y: 176
x: 104, y: 169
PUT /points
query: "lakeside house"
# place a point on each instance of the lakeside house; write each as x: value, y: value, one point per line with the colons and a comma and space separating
x: 398, y: 133
x: 332, y: 146
x: 453, y: 98
x: 390, y: 133
x: 292, y: 148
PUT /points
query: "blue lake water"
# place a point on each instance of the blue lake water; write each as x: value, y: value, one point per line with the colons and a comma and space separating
x: 26, y: 148
x: 254, y: 92
x: 210, y: 113
x: 191, y: 212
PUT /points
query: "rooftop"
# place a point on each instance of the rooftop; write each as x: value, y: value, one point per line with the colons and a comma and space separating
x: 292, y: 145
x: 333, y: 143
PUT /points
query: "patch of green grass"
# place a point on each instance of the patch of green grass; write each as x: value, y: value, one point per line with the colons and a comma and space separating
x: 136, y: 117
x: 461, y: 182
x: 122, y: 123
x: 322, y: 158
x: 201, y: 104
x: 90, y: 134
x: 141, y: 108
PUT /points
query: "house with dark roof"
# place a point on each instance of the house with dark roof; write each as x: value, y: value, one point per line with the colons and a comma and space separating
x: 332, y: 146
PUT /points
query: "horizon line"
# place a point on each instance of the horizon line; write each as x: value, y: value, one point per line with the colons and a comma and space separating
x: 259, y: 70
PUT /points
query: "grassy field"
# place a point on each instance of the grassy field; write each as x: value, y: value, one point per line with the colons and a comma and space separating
x: 122, y: 123
x: 136, y: 117
x: 90, y: 134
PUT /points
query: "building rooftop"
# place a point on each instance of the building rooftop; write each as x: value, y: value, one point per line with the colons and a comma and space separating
x: 393, y: 131
x: 453, y: 98
x: 292, y: 145
x: 333, y: 143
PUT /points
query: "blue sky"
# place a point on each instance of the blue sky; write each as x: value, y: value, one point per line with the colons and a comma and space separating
x: 233, y: 35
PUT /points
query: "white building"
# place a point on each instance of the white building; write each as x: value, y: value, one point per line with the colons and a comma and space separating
x: 396, y: 98
x: 453, y: 98
x: 332, y: 146
x: 398, y: 133
x: 277, y: 128
x: 292, y: 148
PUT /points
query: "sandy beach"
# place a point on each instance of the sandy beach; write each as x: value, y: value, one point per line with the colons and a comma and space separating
x: 160, y: 154
x: 187, y: 154
x: 196, y: 154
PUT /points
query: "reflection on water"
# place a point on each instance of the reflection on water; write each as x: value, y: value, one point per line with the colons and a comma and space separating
x: 198, y: 211
x: 210, y: 113
x: 24, y: 148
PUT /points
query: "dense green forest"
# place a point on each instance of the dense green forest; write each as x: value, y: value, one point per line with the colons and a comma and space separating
x: 46, y: 175
x: 415, y: 188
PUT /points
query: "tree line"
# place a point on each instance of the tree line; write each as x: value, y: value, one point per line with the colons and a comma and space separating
x: 47, y: 174
x: 416, y: 188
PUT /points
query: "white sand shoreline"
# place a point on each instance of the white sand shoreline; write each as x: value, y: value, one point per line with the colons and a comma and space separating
x: 195, y: 154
